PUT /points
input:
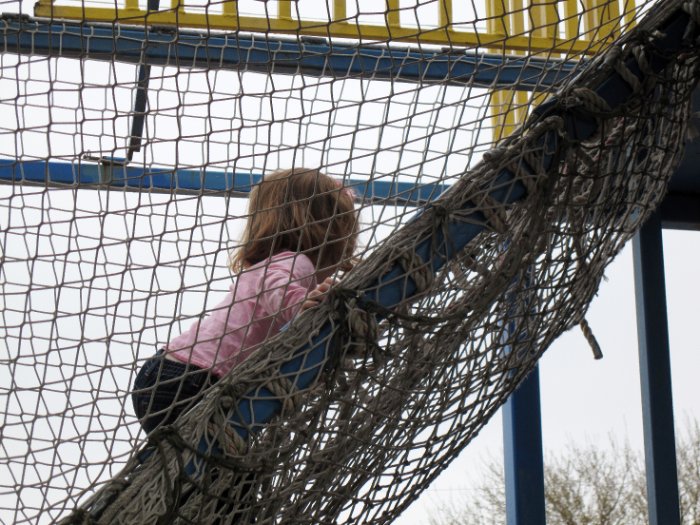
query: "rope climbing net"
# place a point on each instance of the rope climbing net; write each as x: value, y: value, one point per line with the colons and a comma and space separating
x: 129, y: 147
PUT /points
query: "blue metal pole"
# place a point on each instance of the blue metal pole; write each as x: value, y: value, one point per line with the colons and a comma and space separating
x: 522, y: 446
x: 91, y: 175
x: 681, y: 211
x: 310, y: 56
x: 655, y: 372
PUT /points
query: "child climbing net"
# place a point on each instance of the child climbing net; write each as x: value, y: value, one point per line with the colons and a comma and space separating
x: 302, y: 228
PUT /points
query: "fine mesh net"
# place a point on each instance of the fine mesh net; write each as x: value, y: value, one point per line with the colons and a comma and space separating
x: 485, y: 216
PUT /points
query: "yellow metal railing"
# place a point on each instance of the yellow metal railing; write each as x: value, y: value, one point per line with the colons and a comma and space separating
x: 552, y: 28
x: 551, y: 21
x: 568, y: 27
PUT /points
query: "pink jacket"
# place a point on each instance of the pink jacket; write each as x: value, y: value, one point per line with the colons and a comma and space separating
x: 263, y: 299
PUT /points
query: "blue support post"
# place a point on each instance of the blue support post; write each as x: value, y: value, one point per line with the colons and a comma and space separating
x: 681, y: 211
x: 655, y: 372
x: 522, y: 446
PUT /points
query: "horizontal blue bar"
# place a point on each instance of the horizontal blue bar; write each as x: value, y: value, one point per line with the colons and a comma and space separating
x: 265, y: 53
x: 95, y: 175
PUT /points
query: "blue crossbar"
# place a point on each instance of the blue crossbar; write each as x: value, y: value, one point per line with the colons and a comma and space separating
x: 208, y: 182
x: 265, y: 53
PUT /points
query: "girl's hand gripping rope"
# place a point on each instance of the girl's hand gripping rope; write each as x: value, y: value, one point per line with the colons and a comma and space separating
x: 318, y: 294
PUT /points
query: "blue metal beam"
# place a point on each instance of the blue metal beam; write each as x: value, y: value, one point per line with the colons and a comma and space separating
x: 681, y: 211
x: 266, y: 53
x: 522, y: 446
x: 686, y: 179
x: 94, y: 175
x: 655, y: 372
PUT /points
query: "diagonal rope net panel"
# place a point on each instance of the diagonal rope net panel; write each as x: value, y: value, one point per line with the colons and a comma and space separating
x: 129, y: 146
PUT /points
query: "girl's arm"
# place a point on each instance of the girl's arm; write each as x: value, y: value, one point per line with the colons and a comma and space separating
x: 284, y: 286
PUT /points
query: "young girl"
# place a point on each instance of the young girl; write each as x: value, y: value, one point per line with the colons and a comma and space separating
x: 302, y: 227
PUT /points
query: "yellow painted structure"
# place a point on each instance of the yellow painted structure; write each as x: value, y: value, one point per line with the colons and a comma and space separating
x: 600, y: 21
x: 568, y: 27
x: 551, y: 28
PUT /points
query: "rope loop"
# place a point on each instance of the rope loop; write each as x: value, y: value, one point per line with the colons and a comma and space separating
x: 285, y: 391
x: 494, y: 211
x: 166, y: 433
x: 692, y: 7
x: 589, y: 100
x: 358, y: 330
x: 362, y: 325
x: 535, y: 153
x: 641, y: 58
x: 495, y: 155
x: 417, y: 269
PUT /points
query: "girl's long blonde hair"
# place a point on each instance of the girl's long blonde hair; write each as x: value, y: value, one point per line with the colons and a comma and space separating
x: 300, y: 210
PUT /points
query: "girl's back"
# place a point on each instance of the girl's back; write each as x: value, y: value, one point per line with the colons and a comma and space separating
x: 264, y: 298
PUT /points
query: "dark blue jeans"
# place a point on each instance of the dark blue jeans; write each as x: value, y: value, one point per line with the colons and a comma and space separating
x: 164, y: 389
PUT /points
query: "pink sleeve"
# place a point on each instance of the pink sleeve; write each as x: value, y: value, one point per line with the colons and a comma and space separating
x: 284, y: 285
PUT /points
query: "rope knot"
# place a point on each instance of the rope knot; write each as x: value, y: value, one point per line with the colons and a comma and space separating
x: 440, y: 211
x: 495, y: 155
x: 693, y: 9
x: 362, y: 324
x: 586, y: 98
x: 229, y: 395
x: 164, y: 433
x: 359, y: 327
x: 417, y: 269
